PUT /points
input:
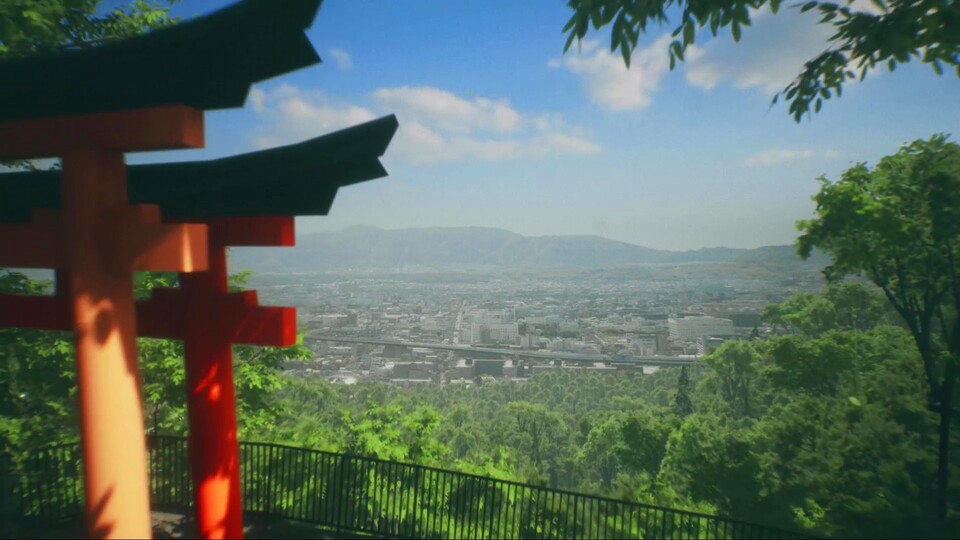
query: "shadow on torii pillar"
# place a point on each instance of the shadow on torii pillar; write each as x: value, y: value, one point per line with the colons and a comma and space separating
x: 98, y: 221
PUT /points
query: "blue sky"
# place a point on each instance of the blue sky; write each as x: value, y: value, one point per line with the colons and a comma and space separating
x: 498, y: 128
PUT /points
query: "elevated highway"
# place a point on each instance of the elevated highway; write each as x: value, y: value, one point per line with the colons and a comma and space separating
x: 491, y: 352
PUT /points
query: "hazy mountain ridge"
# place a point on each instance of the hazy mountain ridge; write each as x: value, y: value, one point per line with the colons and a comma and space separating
x: 444, y: 247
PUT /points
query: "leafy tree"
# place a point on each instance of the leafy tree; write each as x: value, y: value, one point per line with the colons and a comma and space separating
x: 807, y: 314
x: 682, y: 406
x: 898, y: 225
x: 645, y: 433
x: 37, y: 382
x: 714, y: 461
x: 603, y: 449
x: 892, y: 33
x: 735, y: 367
x: 845, y: 305
x: 540, y: 433
x: 29, y: 27
x: 809, y: 365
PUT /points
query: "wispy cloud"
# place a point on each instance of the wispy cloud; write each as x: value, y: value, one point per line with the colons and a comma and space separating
x: 342, y: 59
x: 290, y: 114
x: 447, y: 111
x: 776, y: 156
x: 435, y: 125
x: 607, y: 80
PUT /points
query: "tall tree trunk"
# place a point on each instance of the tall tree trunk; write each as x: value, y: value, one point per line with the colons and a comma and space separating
x: 943, y: 464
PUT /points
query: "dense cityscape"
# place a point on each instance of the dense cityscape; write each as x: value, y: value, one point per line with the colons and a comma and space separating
x: 453, y: 328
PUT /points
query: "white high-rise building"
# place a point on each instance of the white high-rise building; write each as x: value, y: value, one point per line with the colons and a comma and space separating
x: 491, y: 333
x: 688, y: 329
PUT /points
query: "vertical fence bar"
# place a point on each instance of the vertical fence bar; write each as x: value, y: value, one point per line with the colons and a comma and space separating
x: 450, y: 505
x: 323, y: 490
x: 336, y: 478
x: 316, y: 490
x: 463, y: 499
x: 311, y: 488
x: 402, y: 516
x: 365, y: 515
x: 548, y: 499
x: 298, y: 475
x: 510, y: 510
x: 347, y: 500
x: 380, y: 494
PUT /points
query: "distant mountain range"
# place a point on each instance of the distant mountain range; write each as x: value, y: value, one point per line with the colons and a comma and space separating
x: 449, y: 247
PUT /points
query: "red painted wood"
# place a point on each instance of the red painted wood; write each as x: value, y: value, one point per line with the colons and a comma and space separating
x: 38, y: 312
x: 29, y: 246
x: 101, y: 304
x: 155, y: 128
x: 211, y: 407
x: 202, y: 313
x: 253, y: 231
x: 209, y: 320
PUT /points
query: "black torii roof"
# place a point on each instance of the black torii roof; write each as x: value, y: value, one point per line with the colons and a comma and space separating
x: 206, y: 63
x: 295, y: 180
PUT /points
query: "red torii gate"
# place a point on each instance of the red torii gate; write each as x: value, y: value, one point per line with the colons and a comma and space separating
x: 209, y: 320
x: 96, y: 239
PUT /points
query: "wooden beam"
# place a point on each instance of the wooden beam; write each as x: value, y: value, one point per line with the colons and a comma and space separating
x: 156, y: 128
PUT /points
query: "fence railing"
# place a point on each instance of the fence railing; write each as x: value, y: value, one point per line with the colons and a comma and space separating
x: 364, y: 495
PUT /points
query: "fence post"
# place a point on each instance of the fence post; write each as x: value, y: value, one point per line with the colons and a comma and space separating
x: 7, y: 497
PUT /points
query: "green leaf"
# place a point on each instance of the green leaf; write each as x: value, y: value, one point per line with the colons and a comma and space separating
x: 569, y: 42
x: 616, y: 35
x: 736, y: 31
x: 688, y: 32
x: 854, y: 401
x: 808, y: 6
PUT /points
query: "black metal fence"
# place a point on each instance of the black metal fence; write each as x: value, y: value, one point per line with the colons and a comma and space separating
x: 365, y: 495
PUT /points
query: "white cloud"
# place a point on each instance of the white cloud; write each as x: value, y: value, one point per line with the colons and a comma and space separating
x: 776, y: 156
x: 294, y: 115
x: 256, y: 96
x: 770, y: 53
x: 435, y: 125
x: 448, y: 111
x: 607, y: 80
x: 342, y: 59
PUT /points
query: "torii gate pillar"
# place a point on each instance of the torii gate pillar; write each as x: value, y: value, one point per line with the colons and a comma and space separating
x: 210, y: 319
